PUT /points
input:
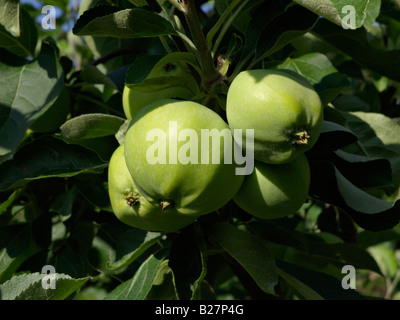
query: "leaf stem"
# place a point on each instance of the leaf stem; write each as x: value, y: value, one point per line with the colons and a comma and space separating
x: 226, y: 26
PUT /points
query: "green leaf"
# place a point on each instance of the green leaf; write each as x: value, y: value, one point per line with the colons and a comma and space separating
x: 320, y: 72
x: 334, y: 10
x: 7, y: 203
x: 25, y: 43
x: 355, y: 166
x: 91, y: 74
x: 333, y: 136
x: 386, y: 259
x: 107, y: 21
x: 29, y: 287
x: 140, y: 285
x: 10, y: 16
x: 315, y: 285
x: 91, y: 125
x: 378, y: 137
x: 280, y: 30
x: 63, y: 203
x: 355, y: 44
x: 369, y: 212
x: 187, y: 261
x: 16, y: 245
x: 21, y: 99
x: 315, y: 247
x: 137, y: 74
x: 131, y: 245
x: 250, y: 251
x: 163, y: 285
x: 47, y: 157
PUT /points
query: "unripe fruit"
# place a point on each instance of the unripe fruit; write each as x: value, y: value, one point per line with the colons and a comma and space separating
x: 180, y: 179
x: 131, y: 207
x: 274, y: 191
x: 282, y: 108
x: 134, y: 100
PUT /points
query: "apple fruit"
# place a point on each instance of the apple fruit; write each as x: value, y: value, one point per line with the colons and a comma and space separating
x: 131, y: 208
x: 173, y: 162
x: 133, y: 100
x: 275, y: 190
x: 281, y: 107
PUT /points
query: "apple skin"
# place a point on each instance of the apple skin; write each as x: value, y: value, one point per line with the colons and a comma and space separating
x: 274, y: 191
x: 281, y: 107
x: 191, y: 189
x: 134, y: 100
x: 138, y: 213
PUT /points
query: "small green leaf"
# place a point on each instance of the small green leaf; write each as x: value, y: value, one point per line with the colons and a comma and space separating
x: 107, y: 21
x: 140, y: 285
x: 91, y: 74
x: 132, y: 244
x: 250, y: 251
x: 91, y: 125
x: 30, y: 287
x: 24, y: 44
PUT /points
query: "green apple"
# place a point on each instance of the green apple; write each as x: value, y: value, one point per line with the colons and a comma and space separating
x: 281, y: 107
x: 133, y: 100
x: 133, y: 209
x: 175, y: 152
x: 275, y: 190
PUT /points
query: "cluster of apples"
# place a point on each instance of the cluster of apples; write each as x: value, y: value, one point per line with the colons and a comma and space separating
x: 164, y: 178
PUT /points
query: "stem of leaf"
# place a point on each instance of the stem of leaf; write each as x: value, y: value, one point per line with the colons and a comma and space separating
x: 220, y: 22
x: 226, y: 26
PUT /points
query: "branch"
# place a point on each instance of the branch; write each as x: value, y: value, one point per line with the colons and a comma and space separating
x: 211, y: 75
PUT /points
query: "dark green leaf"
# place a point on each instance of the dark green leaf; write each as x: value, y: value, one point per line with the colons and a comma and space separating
x: 187, y: 262
x: 16, y: 245
x: 24, y: 44
x: 129, y: 23
x: 355, y: 44
x: 27, y: 91
x: 282, y: 29
x: 369, y: 212
x: 47, y: 157
x: 131, y: 245
x: 378, y: 137
x: 250, y: 251
x: 314, y: 285
x: 333, y: 136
